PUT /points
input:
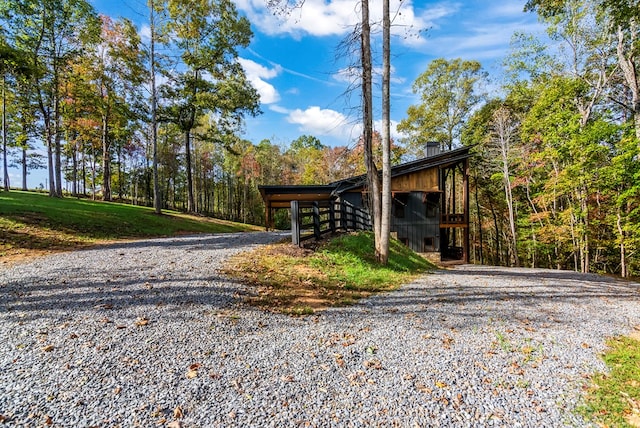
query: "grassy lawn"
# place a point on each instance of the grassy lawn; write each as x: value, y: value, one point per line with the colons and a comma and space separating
x: 613, y: 399
x: 34, y: 223
x: 339, y: 272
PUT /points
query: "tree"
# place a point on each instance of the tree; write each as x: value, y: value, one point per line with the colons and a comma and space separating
x: 51, y: 33
x: 14, y: 69
x: 153, y: 39
x: 116, y: 73
x: 625, y: 26
x: 206, y: 34
x: 385, y: 215
x: 373, y: 179
x: 449, y: 90
x: 504, y: 130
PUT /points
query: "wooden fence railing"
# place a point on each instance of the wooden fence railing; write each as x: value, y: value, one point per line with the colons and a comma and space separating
x: 311, y: 220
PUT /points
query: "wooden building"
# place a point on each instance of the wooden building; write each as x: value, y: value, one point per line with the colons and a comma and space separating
x: 430, y: 202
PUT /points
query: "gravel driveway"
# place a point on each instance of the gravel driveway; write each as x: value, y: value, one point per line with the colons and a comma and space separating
x: 149, y: 334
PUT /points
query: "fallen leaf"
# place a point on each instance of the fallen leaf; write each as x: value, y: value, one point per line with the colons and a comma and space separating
x: 142, y: 321
x: 195, y: 366
x: 174, y: 424
x: 287, y: 378
x: 192, y: 374
x: 177, y: 412
x: 373, y: 363
x: 117, y: 390
x: 586, y: 345
x: 440, y: 384
x: 48, y: 348
x: 447, y: 341
x: 423, y: 388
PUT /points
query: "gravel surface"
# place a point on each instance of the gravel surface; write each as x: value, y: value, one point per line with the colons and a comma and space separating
x: 150, y: 334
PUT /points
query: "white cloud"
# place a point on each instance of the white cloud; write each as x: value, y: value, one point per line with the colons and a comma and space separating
x: 279, y: 109
x: 395, y: 134
x: 338, y: 17
x: 257, y: 74
x: 317, y: 121
x: 326, y: 122
x: 145, y: 33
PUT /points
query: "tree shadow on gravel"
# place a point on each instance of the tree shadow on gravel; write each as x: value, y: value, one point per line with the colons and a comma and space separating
x: 51, y: 298
x: 534, y: 295
x: 221, y: 241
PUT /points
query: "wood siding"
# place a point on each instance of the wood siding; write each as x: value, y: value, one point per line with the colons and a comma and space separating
x: 423, y: 181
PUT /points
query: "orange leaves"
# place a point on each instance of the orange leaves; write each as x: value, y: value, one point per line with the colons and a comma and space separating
x: 192, y: 372
x: 447, y: 341
x: 373, y: 363
x: 47, y: 348
x: 141, y: 321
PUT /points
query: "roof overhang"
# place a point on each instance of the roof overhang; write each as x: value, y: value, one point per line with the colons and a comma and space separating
x: 281, y: 196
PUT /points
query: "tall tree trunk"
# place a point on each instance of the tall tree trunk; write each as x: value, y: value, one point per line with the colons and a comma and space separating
x: 74, y: 187
x: 373, y: 180
x: 497, y: 232
x: 84, y: 174
x: 479, y: 215
x: 25, y: 169
x: 93, y: 173
x: 623, y: 249
x: 52, y: 182
x: 187, y: 148
x: 4, y: 135
x: 106, y: 158
x: 385, y: 216
x: 157, y: 203
x: 56, y: 135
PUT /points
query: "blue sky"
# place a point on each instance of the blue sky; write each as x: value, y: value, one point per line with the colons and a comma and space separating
x: 292, y: 61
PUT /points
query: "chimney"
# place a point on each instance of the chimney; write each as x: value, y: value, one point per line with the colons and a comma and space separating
x: 432, y: 148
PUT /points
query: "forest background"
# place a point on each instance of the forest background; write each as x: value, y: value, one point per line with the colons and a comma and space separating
x: 555, y: 178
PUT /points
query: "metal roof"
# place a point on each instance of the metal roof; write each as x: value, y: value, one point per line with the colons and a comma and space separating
x: 277, y: 196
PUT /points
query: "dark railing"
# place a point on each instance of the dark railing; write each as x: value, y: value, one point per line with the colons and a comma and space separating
x: 311, y: 220
x: 452, y: 219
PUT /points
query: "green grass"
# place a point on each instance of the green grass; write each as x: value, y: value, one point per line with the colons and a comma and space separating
x: 350, y: 260
x: 34, y: 221
x: 614, y: 398
x: 341, y: 271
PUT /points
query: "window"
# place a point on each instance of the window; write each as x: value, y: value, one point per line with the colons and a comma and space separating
x: 429, y: 244
x: 400, y: 201
x: 432, y: 204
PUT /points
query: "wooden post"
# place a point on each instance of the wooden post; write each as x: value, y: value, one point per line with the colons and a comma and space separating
x: 295, y: 223
x: 267, y: 216
x: 343, y: 216
x: 332, y: 216
x: 316, y: 221
x: 465, y: 186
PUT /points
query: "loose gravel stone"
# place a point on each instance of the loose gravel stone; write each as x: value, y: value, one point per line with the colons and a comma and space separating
x: 149, y: 332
